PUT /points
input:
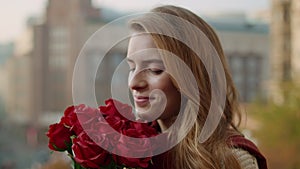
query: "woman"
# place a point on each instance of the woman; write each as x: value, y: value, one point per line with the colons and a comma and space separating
x: 178, y: 71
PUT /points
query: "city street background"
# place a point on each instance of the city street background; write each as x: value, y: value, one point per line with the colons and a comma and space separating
x: 41, y: 39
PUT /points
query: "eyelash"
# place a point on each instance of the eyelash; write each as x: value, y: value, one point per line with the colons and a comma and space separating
x: 154, y: 71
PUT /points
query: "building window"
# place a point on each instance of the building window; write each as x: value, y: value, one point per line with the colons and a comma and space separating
x: 58, y: 47
x: 246, y: 74
x: 286, y: 11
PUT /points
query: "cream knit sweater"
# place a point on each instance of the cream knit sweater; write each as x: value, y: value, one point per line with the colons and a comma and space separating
x: 246, y: 160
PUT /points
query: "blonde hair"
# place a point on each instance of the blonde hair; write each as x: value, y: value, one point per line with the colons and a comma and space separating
x: 214, y: 153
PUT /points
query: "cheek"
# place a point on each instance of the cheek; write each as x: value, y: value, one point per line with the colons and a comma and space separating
x: 172, y: 95
x: 167, y: 86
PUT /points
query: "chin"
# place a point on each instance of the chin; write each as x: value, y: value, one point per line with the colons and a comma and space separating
x: 147, y: 114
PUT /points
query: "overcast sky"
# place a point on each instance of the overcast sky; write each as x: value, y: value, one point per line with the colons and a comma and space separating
x: 13, y: 13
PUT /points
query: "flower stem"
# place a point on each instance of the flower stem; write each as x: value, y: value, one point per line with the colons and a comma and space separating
x: 77, y: 166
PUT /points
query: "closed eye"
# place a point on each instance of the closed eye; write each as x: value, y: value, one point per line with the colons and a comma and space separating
x: 132, y: 69
x: 156, y: 71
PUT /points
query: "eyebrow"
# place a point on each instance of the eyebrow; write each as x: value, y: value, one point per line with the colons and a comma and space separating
x: 146, y: 62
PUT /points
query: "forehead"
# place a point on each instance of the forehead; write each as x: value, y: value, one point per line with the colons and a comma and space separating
x: 142, y: 45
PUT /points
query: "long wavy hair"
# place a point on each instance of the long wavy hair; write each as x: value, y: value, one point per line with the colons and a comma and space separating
x: 189, y: 153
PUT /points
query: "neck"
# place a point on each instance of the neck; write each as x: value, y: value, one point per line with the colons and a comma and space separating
x: 164, y: 124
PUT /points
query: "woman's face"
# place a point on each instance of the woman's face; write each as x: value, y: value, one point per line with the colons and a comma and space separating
x: 154, y: 94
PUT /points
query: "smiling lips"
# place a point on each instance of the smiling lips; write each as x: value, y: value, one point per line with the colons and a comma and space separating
x: 142, y: 101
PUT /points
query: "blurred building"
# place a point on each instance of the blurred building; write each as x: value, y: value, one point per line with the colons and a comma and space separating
x: 20, y: 78
x: 6, y: 51
x: 41, y: 69
x: 285, y: 40
x: 66, y: 33
x: 246, y: 46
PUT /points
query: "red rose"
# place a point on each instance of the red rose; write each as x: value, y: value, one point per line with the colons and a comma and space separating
x: 87, y: 116
x: 133, y: 147
x: 89, y: 154
x: 70, y: 119
x: 112, y: 114
x: 95, y: 136
x: 59, y: 137
x: 115, y: 108
x: 136, y: 147
x: 117, y: 123
x: 104, y: 135
x: 141, y: 130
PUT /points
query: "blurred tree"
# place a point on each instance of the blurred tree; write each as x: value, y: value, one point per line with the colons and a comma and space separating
x: 279, y: 132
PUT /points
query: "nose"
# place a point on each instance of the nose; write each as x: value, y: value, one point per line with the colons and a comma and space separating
x: 137, y: 81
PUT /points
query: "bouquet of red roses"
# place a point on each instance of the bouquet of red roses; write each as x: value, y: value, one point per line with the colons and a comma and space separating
x: 94, y: 136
